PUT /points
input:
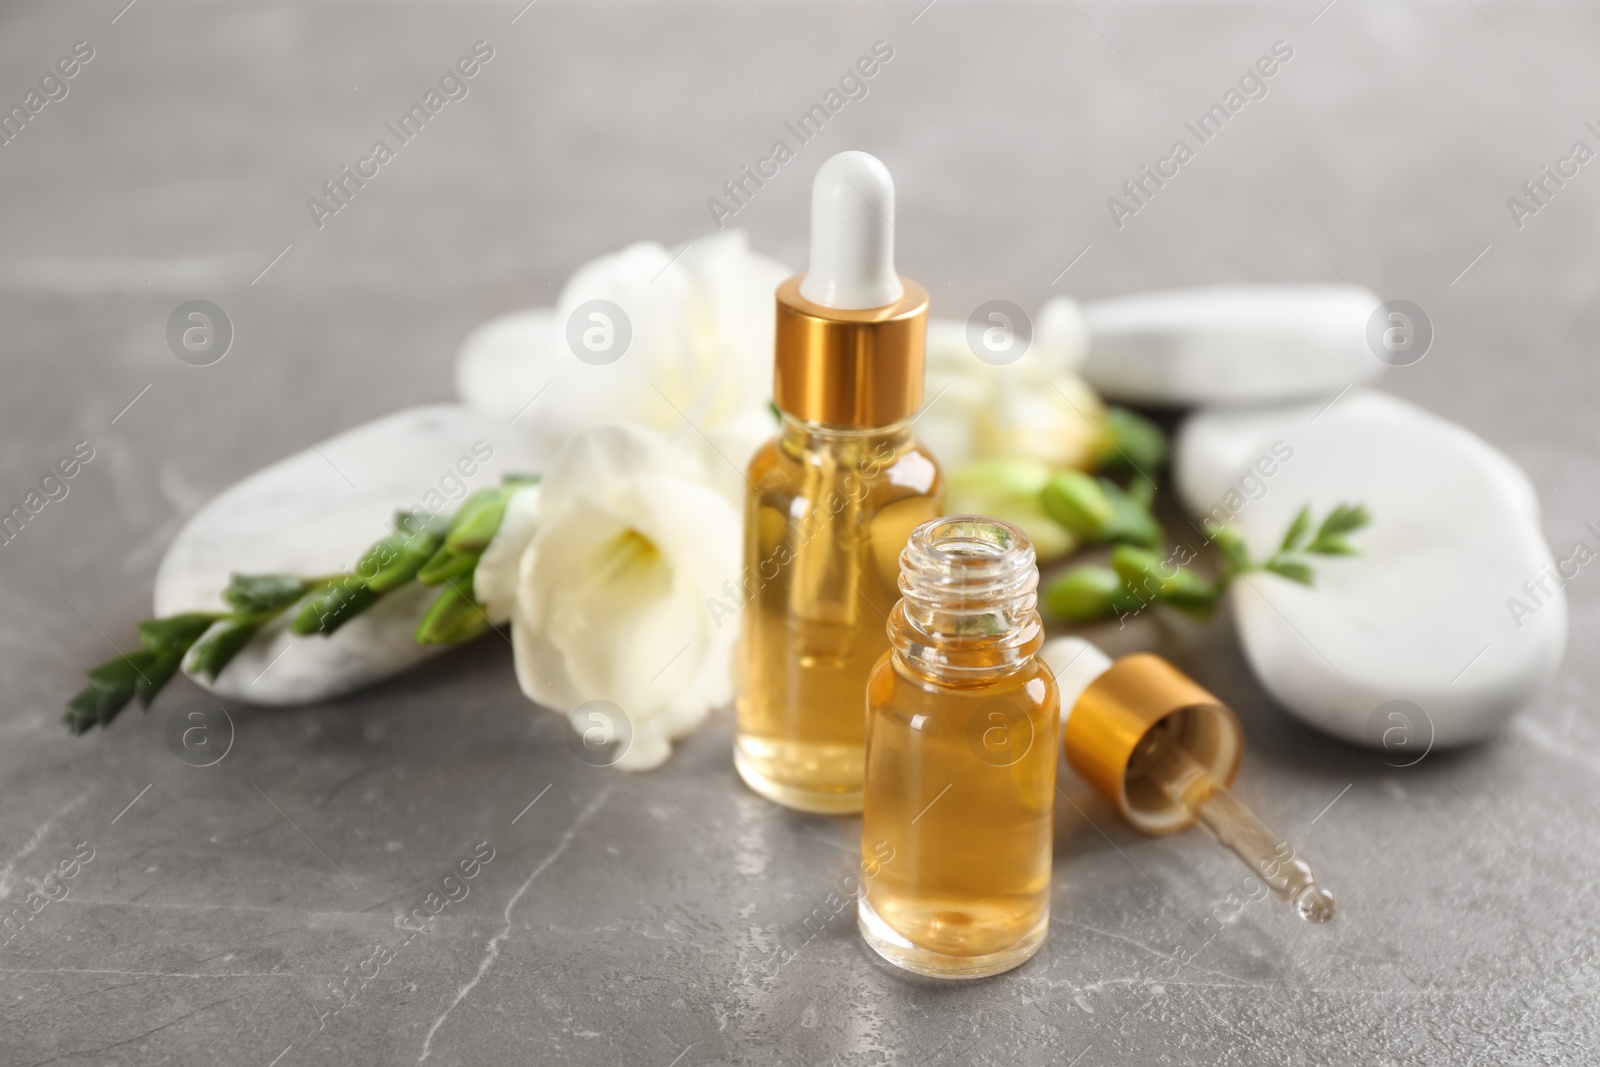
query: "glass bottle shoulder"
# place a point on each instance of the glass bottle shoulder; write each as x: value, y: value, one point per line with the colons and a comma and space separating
x: 889, y: 461
x: 894, y: 684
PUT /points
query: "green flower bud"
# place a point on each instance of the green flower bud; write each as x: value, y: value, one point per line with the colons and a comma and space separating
x: 1137, y: 445
x: 1151, y: 577
x: 1009, y: 489
x: 1079, y: 503
x: 260, y: 594
x: 1131, y: 521
x: 447, y: 565
x: 332, y: 606
x: 453, y: 617
x: 1087, y: 593
x: 478, y: 520
x: 396, y: 559
x: 175, y: 631
x: 214, y: 651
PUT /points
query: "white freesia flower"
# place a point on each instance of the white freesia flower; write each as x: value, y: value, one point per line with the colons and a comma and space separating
x: 698, y: 361
x: 1034, y: 408
x: 632, y: 540
x: 1000, y: 430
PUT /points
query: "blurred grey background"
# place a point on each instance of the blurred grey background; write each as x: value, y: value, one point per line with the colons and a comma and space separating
x: 178, y: 166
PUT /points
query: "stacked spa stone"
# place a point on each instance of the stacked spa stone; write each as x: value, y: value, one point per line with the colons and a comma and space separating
x: 1409, y: 643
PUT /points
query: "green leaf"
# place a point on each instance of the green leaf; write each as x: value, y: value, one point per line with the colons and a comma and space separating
x: 263, y: 594
x: 332, y: 606
x: 158, y: 674
x: 224, y: 641
x: 1343, y: 519
x: 1297, y: 530
x: 453, y: 617
x: 1138, y: 445
x: 520, y: 479
x: 1230, y: 542
x: 1293, y: 570
x: 1332, y: 546
x: 1087, y: 593
x: 1079, y: 502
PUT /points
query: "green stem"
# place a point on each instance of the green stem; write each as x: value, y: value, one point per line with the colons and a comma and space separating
x: 1141, y: 576
x: 431, y: 549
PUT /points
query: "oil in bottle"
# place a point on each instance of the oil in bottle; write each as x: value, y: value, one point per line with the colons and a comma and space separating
x: 962, y: 728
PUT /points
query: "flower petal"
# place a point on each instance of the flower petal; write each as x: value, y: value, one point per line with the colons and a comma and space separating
x: 631, y: 628
x: 700, y: 323
x: 1034, y: 408
x: 612, y: 593
x: 605, y: 460
x: 494, y: 582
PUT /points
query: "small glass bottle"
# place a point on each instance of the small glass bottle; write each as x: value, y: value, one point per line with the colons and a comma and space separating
x: 962, y: 728
x: 832, y: 498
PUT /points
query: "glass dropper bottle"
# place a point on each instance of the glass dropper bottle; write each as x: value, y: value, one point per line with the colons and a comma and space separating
x: 832, y: 498
x: 1163, y: 751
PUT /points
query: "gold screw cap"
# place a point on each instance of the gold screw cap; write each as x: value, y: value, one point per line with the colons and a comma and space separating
x: 850, y: 368
x: 1135, y: 695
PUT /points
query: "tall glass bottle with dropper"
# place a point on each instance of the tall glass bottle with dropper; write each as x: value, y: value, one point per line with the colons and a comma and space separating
x: 831, y: 500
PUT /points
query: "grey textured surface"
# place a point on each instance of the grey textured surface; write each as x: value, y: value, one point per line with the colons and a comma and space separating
x: 636, y: 919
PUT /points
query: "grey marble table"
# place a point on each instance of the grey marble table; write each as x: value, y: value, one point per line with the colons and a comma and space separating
x: 637, y: 919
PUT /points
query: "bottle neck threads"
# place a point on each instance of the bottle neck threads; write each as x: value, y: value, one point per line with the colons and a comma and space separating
x: 968, y: 612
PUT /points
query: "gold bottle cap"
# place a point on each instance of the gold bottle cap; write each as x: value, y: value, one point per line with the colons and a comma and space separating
x: 850, y: 368
x: 1125, y: 703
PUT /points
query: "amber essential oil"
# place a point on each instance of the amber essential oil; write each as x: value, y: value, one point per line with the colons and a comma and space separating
x: 827, y: 512
x: 961, y: 747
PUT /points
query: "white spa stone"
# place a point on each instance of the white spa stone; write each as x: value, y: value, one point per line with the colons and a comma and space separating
x: 1216, y: 447
x: 1230, y: 344
x: 1424, y: 613
x: 314, y: 513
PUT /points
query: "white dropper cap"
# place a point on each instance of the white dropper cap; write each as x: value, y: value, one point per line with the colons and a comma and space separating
x: 1075, y: 663
x: 852, y: 235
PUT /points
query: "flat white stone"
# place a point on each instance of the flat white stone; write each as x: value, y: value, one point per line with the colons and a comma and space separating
x: 1230, y: 344
x: 315, y: 513
x: 1216, y: 448
x: 1424, y: 613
